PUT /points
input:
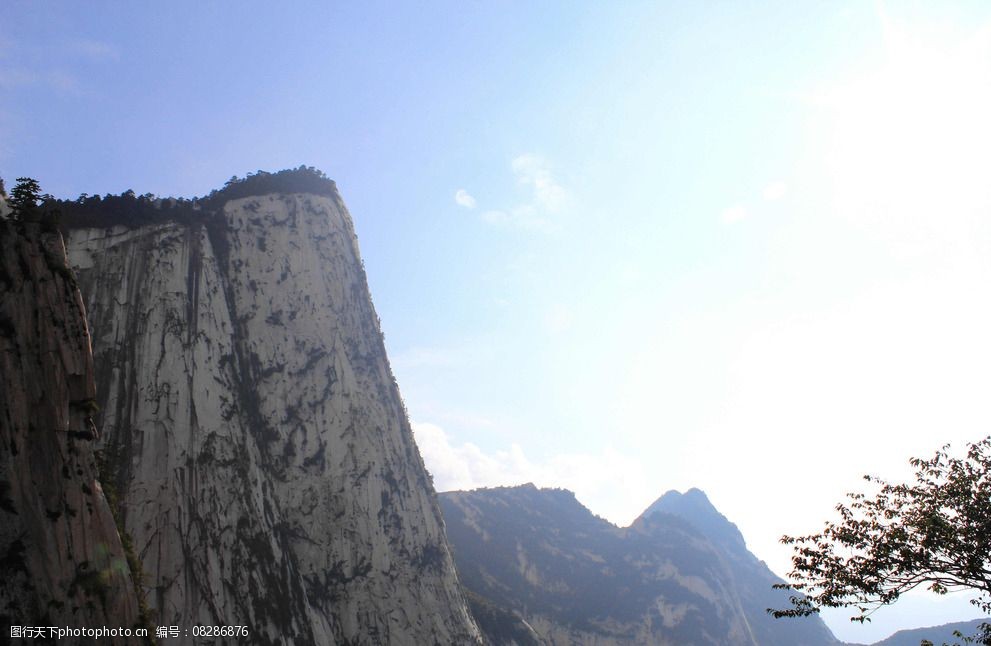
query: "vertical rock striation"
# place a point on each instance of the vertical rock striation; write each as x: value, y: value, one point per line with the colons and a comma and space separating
x: 266, y: 465
x: 61, y: 559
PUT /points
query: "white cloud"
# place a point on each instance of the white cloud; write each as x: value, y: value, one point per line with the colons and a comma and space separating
x: 466, y: 466
x: 734, y: 214
x: 464, y: 198
x: 608, y: 480
x: 775, y: 191
x: 533, y: 171
x: 546, y: 199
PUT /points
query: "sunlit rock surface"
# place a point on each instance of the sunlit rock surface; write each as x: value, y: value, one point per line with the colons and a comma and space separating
x: 679, y: 576
x: 61, y: 559
x: 266, y: 464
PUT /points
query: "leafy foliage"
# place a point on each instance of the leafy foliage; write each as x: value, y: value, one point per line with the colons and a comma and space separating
x: 305, y: 179
x: 934, y: 532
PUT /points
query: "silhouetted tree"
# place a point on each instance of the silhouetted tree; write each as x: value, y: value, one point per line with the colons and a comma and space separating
x: 934, y: 532
x: 25, y: 193
x: 24, y: 197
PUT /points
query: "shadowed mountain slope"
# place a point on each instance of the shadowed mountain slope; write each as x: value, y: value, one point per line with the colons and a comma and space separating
x: 679, y: 575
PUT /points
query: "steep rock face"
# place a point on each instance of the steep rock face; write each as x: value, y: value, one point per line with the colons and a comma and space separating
x: 749, y: 577
x: 577, y: 579
x: 267, y: 467
x: 61, y: 559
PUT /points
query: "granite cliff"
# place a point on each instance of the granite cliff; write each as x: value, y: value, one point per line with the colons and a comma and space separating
x: 62, y: 562
x: 266, y: 468
x: 679, y: 576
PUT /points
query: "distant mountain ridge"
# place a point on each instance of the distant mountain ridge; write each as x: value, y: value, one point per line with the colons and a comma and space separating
x: 680, y: 575
x: 938, y: 635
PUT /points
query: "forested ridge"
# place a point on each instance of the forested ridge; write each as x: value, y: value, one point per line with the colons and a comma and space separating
x: 130, y: 209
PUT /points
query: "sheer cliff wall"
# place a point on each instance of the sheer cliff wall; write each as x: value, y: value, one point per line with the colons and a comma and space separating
x: 266, y: 465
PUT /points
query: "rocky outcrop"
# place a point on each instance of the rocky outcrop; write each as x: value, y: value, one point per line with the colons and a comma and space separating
x: 62, y: 563
x: 267, y: 469
x: 679, y: 576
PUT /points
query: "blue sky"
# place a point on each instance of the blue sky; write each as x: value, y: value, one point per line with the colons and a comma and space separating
x: 616, y: 247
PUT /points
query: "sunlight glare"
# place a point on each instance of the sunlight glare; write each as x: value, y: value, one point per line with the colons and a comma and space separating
x: 907, y: 143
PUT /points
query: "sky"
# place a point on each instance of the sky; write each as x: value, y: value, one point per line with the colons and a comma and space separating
x: 620, y: 247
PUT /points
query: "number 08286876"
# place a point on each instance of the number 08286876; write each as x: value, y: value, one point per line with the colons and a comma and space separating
x: 220, y: 631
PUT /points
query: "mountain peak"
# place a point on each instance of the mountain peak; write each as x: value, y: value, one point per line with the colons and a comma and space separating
x: 694, y: 507
x: 694, y: 494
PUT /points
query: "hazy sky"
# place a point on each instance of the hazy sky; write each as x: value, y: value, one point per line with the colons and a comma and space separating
x: 616, y: 247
